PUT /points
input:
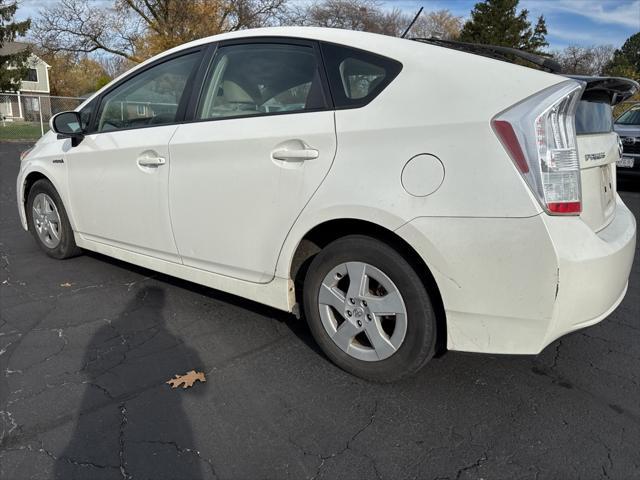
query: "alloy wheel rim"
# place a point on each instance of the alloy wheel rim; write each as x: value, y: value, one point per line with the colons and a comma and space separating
x: 363, y: 311
x: 46, y: 220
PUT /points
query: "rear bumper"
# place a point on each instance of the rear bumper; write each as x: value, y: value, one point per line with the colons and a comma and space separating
x: 512, y: 286
x: 593, y: 270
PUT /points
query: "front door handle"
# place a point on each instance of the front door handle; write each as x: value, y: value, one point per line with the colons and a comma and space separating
x: 151, y: 161
x: 295, y: 155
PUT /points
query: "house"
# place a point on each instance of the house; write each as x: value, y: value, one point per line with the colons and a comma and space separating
x: 33, y: 96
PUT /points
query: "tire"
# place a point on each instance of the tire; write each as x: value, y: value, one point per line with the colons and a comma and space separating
x: 48, y: 221
x: 377, y: 351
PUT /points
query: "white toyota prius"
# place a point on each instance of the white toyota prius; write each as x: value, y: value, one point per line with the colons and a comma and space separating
x: 404, y: 196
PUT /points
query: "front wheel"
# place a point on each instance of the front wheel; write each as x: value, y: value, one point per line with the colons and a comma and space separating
x: 48, y: 221
x: 368, y: 309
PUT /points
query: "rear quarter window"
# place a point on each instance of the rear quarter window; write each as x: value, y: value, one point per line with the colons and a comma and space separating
x: 356, y: 76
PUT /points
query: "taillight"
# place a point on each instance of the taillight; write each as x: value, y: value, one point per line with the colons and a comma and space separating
x: 539, y: 136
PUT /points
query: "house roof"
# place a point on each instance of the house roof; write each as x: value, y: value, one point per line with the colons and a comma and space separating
x: 10, y: 48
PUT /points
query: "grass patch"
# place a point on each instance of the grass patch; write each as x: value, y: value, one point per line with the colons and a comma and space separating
x: 21, y: 130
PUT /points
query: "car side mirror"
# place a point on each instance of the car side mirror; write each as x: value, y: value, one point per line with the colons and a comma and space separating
x: 68, y: 125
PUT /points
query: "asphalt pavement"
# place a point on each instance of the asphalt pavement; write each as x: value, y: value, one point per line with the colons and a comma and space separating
x: 87, y: 344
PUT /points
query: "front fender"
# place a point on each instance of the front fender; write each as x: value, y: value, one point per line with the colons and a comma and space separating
x: 47, y: 161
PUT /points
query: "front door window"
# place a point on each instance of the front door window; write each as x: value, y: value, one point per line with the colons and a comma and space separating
x: 150, y: 98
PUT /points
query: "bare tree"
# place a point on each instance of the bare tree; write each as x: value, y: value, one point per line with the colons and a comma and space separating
x: 365, y: 15
x: 439, y: 24
x: 584, y: 60
x: 134, y: 30
x: 76, y: 26
x: 137, y: 29
x: 114, y: 65
x: 371, y: 16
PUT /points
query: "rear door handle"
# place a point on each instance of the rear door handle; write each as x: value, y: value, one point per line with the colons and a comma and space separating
x: 293, y: 155
x: 151, y: 161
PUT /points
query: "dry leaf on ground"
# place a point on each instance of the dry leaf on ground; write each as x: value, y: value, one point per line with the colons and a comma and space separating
x: 187, y: 380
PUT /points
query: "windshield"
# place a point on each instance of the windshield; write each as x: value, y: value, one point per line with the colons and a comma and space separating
x: 630, y: 117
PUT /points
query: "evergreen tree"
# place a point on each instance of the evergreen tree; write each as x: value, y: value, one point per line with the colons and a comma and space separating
x: 626, y: 60
x: 496, y: 22
x: 9, y: 30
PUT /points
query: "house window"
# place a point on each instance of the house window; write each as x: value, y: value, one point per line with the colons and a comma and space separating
x: 32, y: 104
x: 6, y: 110
x: 32, y: 75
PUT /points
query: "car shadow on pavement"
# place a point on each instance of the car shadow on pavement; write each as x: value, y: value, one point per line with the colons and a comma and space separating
x: 130, y: 423
x: 297, y: 326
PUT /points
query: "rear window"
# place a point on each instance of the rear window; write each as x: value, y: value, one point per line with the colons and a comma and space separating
x: 356, y: 77
x: 593, y: 117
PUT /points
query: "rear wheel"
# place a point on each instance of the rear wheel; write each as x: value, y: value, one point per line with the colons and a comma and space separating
x: 48, y: 221
x: 368, y: 309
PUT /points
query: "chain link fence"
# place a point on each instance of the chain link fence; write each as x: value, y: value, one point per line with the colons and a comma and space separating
x: 26, y: 117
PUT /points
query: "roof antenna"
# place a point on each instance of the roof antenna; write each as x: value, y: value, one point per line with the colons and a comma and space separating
x: 412, y: 22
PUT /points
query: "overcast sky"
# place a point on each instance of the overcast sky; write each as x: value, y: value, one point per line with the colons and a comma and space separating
x: 570, y: 22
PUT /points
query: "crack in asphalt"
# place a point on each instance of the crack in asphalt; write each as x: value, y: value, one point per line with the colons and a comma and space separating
x: 121, y: 456
x: 609, y: 346
x: 183, y: 450
x: 231, y: 361
x: 608, y: 466
x: 66, y: 459
x: 101, y: 388
x: 43, y: 427
x: 11, y: 422
x: 556, y: 357
x: 324, y: 458
x: 475, y: 465
x: 563, y: 382
x: 41, y: 391
x: 65, y: 342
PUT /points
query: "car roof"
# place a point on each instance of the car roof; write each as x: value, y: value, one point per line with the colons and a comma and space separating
x: 314, y: 33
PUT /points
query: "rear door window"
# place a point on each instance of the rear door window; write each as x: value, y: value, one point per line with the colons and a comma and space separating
x: 262, y: 78
x: 356, y: 76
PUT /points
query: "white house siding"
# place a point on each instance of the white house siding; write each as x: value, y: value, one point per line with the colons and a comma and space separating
x: 42, y: 85
x: 32, y: 100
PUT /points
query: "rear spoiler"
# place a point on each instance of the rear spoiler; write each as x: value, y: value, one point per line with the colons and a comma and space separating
x: 616, y: 89
x: 496, y: 51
